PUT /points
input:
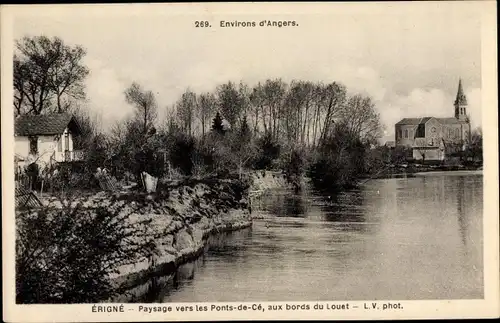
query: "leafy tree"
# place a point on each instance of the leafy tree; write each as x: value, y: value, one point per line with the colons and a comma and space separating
x: 475, y: 145
x: 48, y: 75
x: 244, y: 132
x: 268, y: 151
x: 182, y: 152
x: 341, y: 159
x: 228, y: 101
x: 217, y: 124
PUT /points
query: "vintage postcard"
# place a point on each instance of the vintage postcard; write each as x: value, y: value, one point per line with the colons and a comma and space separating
x: 165, y: 162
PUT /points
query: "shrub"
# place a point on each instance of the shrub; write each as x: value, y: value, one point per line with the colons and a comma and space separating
x: 181, y: 153
x: 65, y: 255
x: 341, y: 161
x: 268, y: 150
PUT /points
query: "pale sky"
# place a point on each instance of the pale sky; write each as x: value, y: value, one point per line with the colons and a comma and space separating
x: 407, y: 56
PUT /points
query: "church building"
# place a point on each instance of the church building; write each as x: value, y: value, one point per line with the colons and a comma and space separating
x: 431, y: 138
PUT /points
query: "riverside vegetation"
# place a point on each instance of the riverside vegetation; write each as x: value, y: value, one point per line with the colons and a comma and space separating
x: 81, y: 250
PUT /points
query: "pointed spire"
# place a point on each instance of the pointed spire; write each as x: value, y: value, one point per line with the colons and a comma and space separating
x: 461, y: 98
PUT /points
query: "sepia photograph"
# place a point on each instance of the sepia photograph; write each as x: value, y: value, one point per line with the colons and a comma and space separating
x: 174, y: 160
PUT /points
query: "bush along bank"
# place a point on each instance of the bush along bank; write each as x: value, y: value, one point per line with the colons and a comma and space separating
x: 97, y: 248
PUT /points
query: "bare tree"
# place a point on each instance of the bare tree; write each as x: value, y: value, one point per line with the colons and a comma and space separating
x: 361, y: 118
x: 206, y: 108
x: 186, y: 109
x: 118, y: 133
x: 229, y: 102
x: 256, y: 110
x: 333, y: 99
x: 298, y: 117
x: 274, y: 96
x: 145, y: 105
x: 244, y: 93
x: 47, y: 75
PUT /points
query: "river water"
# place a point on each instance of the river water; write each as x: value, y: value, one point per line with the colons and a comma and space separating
x: 401, y: 238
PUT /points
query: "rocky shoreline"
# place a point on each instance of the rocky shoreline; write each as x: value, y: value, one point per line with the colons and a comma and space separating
x: 167, y: 229
x: 134, y: 279
x: 180, y: 227
x: 174, y: 223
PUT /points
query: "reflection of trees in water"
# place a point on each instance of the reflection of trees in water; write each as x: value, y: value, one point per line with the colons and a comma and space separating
x: 344, y: 207
x: 289, y: 205
x: 462, y: 223
x: 467, y: 194
x: 220, y: 245
x: 158, y: 288
x: 226, y: 245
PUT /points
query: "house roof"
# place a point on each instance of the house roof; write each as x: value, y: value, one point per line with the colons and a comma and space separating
x: 44, y: 124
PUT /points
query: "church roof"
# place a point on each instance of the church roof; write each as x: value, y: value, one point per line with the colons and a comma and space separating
x: 461, y: 98
x: 423, y: 120
x: 414, y: 121
x: 410, y: 121
x: 450, y: 120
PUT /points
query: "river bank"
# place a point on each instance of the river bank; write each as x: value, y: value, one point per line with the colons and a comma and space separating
x: 178, y: 221
x: 409, y: 170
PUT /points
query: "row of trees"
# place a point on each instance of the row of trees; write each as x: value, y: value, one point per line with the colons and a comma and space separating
x: 301, y: 112
x: 292, y: 127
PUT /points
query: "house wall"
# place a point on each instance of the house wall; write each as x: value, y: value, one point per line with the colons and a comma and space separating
x: 47, y: 147
x: 450, y: 133
x: 60, y: 153
x: 401, y: 138
x: 22, y: 146
x: 430, y: 154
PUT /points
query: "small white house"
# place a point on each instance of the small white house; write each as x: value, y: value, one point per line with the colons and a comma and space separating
x: 45, y: 139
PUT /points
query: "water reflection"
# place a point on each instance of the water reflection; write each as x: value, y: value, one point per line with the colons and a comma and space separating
x: 286, y: 204
x: 399, y: 238
x: 344, y: 207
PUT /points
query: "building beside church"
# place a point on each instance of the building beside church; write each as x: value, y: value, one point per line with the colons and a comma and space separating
x: 432, y: 138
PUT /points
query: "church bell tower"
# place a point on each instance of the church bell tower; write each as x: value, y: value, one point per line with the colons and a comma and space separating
x: 461, y: 103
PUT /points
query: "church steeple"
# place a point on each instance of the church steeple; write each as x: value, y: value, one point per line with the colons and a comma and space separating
x: 460, y: 103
